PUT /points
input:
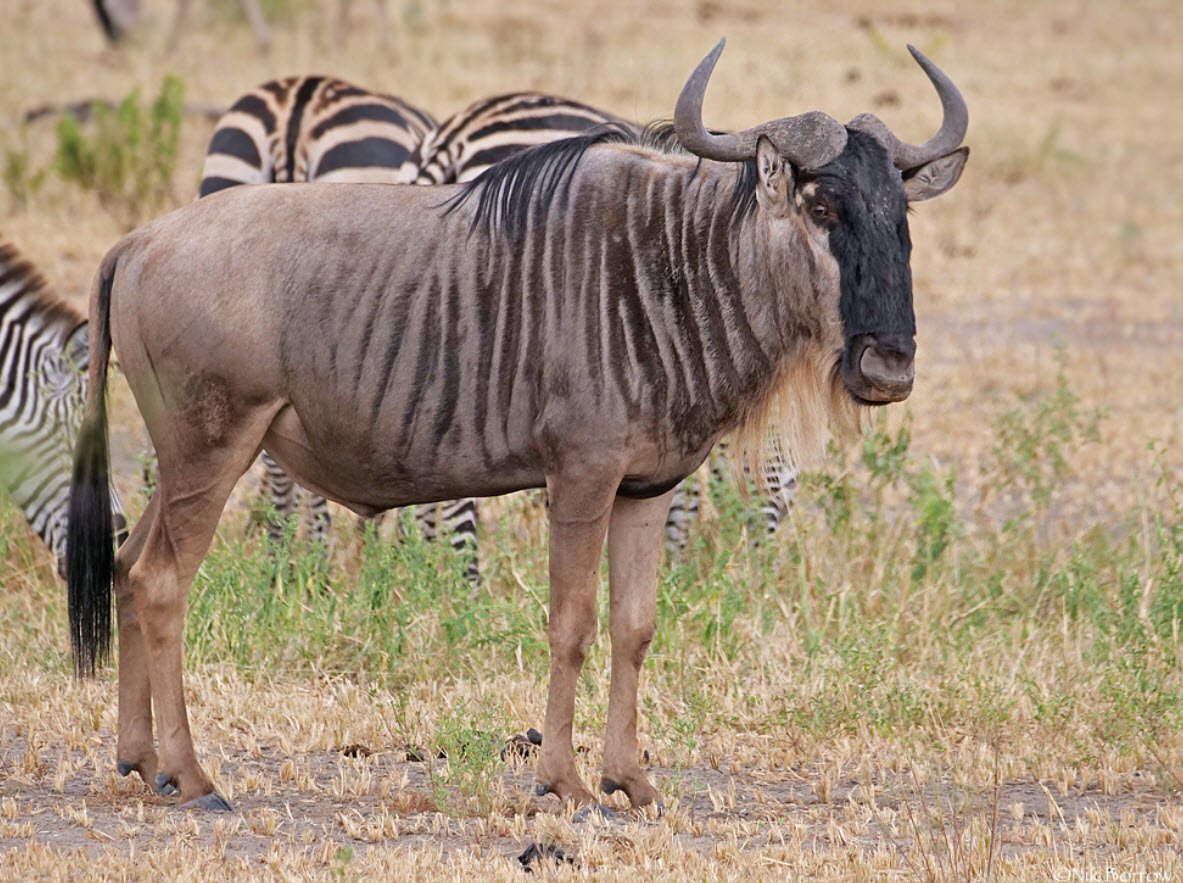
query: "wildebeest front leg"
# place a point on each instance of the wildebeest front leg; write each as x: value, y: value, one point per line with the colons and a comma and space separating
x: 134, y: 749
x: 579, y: 513
x: 634, y: 551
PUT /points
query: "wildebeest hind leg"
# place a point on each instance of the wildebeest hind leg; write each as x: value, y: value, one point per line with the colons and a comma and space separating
x: 579, y: 512
x: 134, y: 749
x: 197, y: 474
x: 634, y: 552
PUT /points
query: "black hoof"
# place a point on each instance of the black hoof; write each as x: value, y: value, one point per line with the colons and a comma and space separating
x: 542, y: 789
x: 534, y: 854
x: 659, y: 808
x: 534, y: 736
x: 518, y: 747
x: 415, y: 754
x: 165, y: 786
x: 609, y: 786
x: 212, y: 802
x: 597, y: 809
x: 124, y: 768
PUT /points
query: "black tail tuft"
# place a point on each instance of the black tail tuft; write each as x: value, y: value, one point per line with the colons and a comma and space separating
x: 90, y: 548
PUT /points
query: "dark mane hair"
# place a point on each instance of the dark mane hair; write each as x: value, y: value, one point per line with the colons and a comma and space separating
x: 505, y: 191
x: 14, y: 267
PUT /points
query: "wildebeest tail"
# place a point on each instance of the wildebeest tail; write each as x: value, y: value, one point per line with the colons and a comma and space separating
x: 90, y: 551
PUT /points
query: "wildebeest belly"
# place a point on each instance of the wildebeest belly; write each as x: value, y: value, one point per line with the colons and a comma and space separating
x: 372, y: 473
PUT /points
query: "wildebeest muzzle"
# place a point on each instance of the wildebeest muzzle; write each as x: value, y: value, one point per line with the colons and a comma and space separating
x: 879, y: 369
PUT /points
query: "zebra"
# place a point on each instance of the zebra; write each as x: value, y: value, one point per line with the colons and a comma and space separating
x: 43, y: 360
x: 314, y: 128
x: 590, y: 316
x: 490, y: 130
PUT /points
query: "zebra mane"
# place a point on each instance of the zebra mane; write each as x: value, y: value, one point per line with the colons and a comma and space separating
x: 15, y: 268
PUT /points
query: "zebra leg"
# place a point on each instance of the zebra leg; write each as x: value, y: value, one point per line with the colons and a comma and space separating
x: 279, y: 486
x: 134, y: 749
x: 580, y: 508
x: 318, y: 522
x: 461, y: 518
x: 427, y: 516
x: 634, y: 552
x: 781, y: 479
x: 683, y: 513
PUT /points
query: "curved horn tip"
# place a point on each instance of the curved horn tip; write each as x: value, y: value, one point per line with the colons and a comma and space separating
x: 713, y: 55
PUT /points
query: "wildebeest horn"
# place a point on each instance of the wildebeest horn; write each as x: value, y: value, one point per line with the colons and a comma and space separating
x: 908, y: 156
x: 810, y: 140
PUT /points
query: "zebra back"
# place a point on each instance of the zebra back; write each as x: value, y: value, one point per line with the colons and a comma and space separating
x: 43, y: 362
x: 493, y: 129
x: 314, y: 128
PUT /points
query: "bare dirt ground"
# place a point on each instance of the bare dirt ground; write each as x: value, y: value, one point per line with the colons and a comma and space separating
x: 318, y: 810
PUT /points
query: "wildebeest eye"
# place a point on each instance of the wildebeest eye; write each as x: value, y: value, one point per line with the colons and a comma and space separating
x: 822, y: 213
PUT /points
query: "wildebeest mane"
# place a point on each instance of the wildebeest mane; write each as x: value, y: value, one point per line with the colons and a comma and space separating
x: 507, y: 191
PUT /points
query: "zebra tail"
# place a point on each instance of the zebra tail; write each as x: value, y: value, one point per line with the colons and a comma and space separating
x: 90, y: 551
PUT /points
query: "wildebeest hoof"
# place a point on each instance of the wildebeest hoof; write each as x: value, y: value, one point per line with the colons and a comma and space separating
x: 609, y: 786
x: 597, y: 809
x: 535, y: 853
x: 125, y: 768
x: 164, y: 785
x: 518, y: 747
x: 415, y: 754
x: 542, y: 789
x: 534, y: 736
x: 212, y: 802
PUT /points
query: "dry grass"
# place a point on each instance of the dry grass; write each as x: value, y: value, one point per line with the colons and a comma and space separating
x: 823, y: 708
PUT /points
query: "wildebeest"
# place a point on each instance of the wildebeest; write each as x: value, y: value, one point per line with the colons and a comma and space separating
x: 590, y: 316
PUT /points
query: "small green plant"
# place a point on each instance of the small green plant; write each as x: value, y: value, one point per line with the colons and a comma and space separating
x: 20, y: 178
x: 469, y: 742
x: 127, y: 157
x: 1031, y: 455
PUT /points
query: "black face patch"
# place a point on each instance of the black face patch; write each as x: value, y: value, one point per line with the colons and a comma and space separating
x: 860, y: 197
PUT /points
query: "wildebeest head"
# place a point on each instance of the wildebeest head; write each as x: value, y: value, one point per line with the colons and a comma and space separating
x: 847, y: 188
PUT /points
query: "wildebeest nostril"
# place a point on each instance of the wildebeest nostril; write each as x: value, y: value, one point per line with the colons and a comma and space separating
x: 887, y: 368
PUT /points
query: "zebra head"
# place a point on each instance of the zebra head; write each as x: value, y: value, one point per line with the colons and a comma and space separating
x: 43, y: 366
x: 844, y: 192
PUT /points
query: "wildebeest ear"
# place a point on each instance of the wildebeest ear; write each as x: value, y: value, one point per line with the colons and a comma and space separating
x: 774, y: 175
x: 934, y: 178
x: 77, y: 348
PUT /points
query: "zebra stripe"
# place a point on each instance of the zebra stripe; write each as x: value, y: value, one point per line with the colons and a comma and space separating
x: 493, y: 129
x: 314, y: 129
x: 43, y: 360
